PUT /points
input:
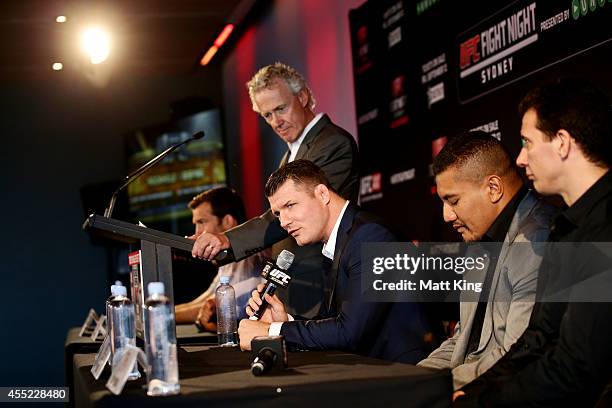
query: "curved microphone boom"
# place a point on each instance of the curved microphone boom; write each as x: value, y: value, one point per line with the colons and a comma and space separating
x: 139, y: 171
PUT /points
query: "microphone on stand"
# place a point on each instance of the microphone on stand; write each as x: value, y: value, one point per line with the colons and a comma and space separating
x: 276, y: 276
x: 139, y: 171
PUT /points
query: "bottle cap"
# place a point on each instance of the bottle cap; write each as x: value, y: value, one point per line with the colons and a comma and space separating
x: 156, y: 288
x: 225, y: 280
x: 117, y: 290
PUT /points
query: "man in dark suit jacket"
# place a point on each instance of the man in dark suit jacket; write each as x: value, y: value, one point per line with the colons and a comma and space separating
x: 309, y: 209
x: 282, y: 97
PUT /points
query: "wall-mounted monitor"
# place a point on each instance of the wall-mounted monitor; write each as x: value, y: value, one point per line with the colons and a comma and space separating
x: 159, y: 197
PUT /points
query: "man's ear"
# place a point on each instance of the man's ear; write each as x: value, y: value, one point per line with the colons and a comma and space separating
x: 562, y: 142
x: 303, y: 97
x: 228, y: 221
x: 495, y: 188
x: 321, y: 193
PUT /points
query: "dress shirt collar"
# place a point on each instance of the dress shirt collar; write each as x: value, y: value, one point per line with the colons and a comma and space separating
x: 574, y: 216
x: 329, y: 248
x: 578, y: 212
x: 295, y: 146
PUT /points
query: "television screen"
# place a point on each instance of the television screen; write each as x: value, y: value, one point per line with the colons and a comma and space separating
x: 159, y: 197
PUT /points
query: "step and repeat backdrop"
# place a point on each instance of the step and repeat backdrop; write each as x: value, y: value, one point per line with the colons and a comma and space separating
x: 427, y: 70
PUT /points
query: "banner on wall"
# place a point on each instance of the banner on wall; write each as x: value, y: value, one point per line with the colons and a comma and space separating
x: 429, y: 70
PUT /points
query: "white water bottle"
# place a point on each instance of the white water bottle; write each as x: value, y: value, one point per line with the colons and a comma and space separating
x: 160, y: 343
x: 122, y: 326
x: 225, y: 299
x: 109, y: 321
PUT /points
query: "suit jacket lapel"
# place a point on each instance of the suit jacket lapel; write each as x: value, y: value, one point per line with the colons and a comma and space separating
x: 284, y: 159
x: 316, y: 129
x: 342, y: 240
x: 520, y: 216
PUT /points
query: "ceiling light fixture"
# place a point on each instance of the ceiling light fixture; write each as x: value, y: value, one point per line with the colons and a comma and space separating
x: 96, y: 43
x: 221, y: 38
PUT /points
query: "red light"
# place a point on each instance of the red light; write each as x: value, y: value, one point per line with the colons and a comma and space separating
x: 209, y: 54
x: 224, y: 34
x: 227, y: 30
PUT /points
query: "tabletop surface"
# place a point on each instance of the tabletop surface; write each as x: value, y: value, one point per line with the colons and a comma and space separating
x: 217, y: 375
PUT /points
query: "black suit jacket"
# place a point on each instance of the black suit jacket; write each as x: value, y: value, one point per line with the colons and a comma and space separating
x: 391, y: 331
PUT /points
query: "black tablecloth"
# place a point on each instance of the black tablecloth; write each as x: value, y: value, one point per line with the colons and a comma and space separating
x: 185, y: 334
x: 213, y: 376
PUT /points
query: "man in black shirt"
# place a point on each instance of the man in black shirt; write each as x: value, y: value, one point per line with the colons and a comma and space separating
x: 564, y: 358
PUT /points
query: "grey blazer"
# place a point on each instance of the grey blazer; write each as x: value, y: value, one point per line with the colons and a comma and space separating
x: 511, y: 297
x: 335, y: 151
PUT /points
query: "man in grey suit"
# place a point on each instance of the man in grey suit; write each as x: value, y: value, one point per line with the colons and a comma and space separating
x: 281, y: 96
x: 485, y: 200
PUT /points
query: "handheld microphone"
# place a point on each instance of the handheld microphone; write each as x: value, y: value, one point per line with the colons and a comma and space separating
x: 276, y: 277
x: 268, y: 353
x: 142, y: 169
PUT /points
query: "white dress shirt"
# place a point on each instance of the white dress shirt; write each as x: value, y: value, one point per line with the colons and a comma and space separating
x: 295, y: 146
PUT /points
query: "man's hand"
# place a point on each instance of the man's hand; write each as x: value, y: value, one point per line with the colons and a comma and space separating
x: 248, y: 329
x: 208, y: 244
x: 458, y: 394
x: 275, y: 312
x: 206, y: 315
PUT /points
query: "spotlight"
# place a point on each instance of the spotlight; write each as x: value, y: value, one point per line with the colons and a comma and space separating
x: 57, y: 66
x: 61, y: 19
x: 96, y: 43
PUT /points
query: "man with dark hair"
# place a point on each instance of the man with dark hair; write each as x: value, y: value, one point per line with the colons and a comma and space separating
x: 310, y: 211
x: 564, y: 356
x: 222, y: 201
x: 282, y: 97
x: 484, y: 198
x: 218, y: 210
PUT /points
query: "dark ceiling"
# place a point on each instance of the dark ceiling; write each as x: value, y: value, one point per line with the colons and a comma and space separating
x: 148, y: 36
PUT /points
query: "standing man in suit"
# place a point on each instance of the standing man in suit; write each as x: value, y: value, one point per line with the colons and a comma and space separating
x: 281, y: 96
x: 485, y: 200
x: 564, y: 357
x: 311, y: 211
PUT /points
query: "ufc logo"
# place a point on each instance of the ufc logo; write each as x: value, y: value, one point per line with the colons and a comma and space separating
x: 469, y: 51
x: 279, y: 276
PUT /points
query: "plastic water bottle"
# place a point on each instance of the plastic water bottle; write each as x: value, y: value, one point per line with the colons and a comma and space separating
x: 225, y: 299
x: 109, y: 321
x: 122, y: 329
x: 160, y: 343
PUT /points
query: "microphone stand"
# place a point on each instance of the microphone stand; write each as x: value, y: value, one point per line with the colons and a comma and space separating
x: 139, y: 171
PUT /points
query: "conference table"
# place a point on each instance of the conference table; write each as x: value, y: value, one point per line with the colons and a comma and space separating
x: 213, y: 376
